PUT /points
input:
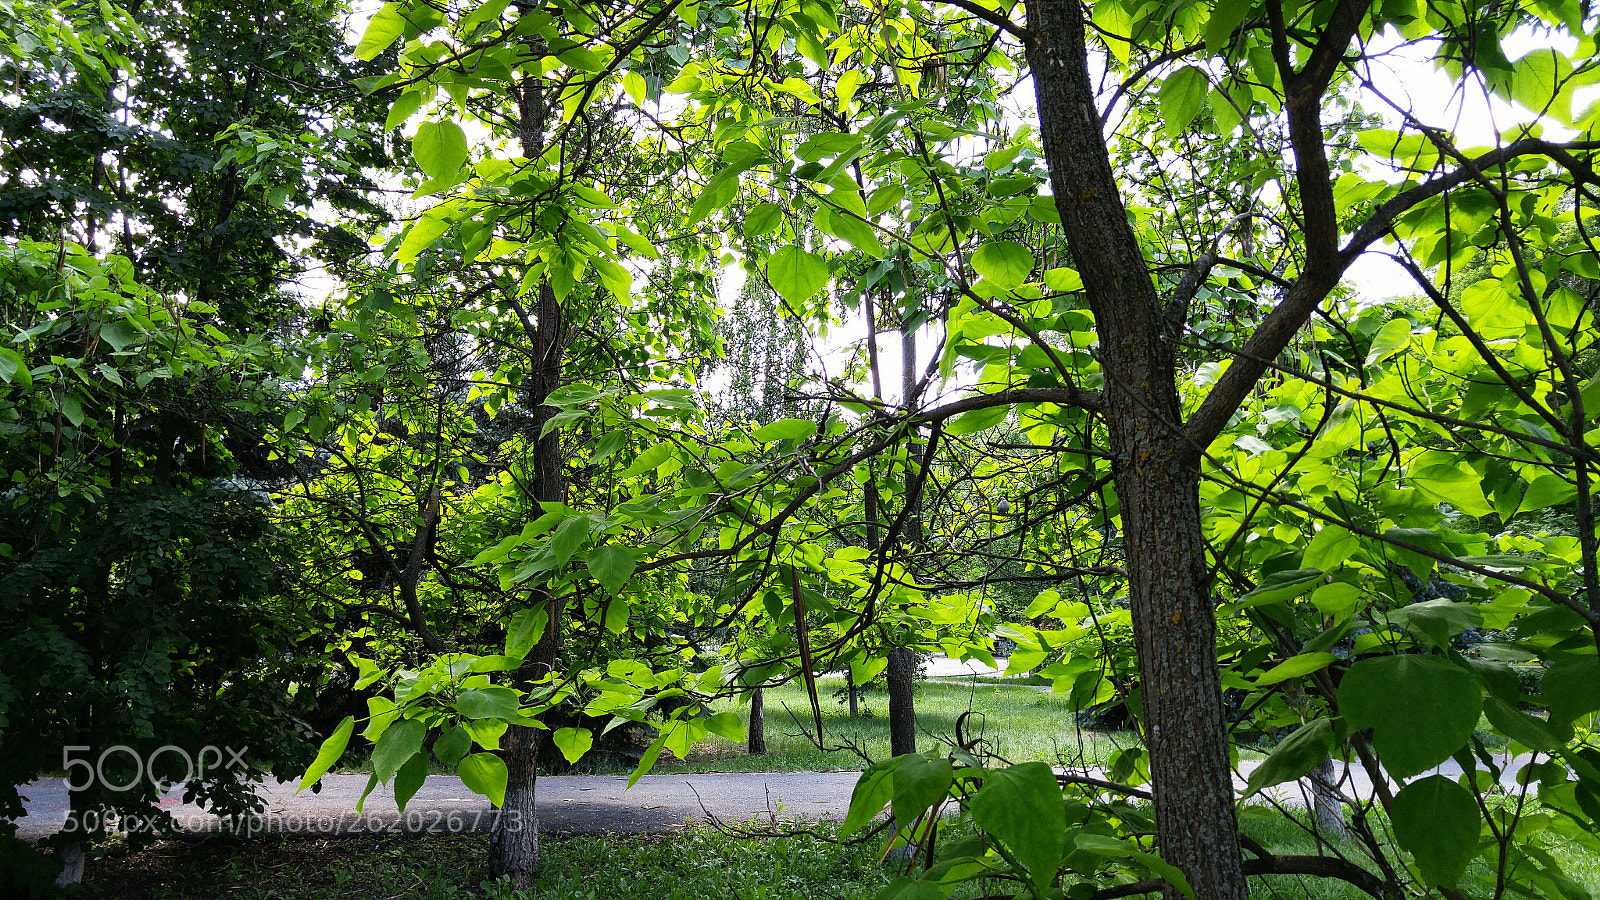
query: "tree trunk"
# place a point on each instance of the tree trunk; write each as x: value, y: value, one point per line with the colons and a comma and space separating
x: 757, y: 743
x: 514, y: 847
x: 1326, y: 809
x: 902, y: 667
x: 902, y: 711
x: 1156, y: 471
x: 855, y: 696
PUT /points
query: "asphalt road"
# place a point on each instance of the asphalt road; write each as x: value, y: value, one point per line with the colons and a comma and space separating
x: 573, y: 804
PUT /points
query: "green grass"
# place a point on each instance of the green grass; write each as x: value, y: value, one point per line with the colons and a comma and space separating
x: 1018, y: 722
x: 699, y: 863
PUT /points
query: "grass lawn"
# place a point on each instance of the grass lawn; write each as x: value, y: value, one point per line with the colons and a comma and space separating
x: 696, y: 865
x: 1019, y: 722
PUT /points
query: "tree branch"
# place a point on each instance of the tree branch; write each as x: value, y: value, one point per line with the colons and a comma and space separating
x: 992, y: 17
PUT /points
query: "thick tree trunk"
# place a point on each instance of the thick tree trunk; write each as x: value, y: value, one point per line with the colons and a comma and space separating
x: 756, y: 745
x: 902, y: 709
x: 1156, y: 471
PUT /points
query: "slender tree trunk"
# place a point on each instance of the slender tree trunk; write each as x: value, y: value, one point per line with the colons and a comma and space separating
x: 902, y: 669
x: 854, y: 695
x: 1325, y: 806
x: 757, y: 743
x: 514, y: 846
x: 1156, y: 471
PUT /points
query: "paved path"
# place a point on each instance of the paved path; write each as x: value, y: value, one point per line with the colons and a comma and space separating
x: 941, y: 666
x: 574, y: 804
x: 578, y: 804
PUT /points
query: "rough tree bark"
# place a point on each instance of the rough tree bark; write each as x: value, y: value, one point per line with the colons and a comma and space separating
x: 756, y: 745
x: 514, y: 846
x: 1156, y: 470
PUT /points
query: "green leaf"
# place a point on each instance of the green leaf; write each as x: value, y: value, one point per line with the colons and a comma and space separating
x: 1421, y: 709
x: 440, y: 148
x: 484, y: 13
x: 1330, y: 547
x: 424, y: 231
x: 616, y: 278
x: 569, y: 539
x: 1438, y: 821
x: 384, y: 29
x: 1063, y: 279
x: 719, y: 191
x: 727, y: 724
x: 1295, y: 667
x: 1292, y: 759
x: 484, y: 773
x: 1535, y: 734
x: 1005, y: 264
x: 527, y: 626
x: 1021, y: 806
x: 404, y: 106
x: 1448, y: 481
x: 978, y: 420
x: 332, y: 749
x: 1281, y: 586
x: 634, y: 241
x: 796, y: 274
x: 453, y: 743
x: 1112, y: 17
x: 872, y: 793
x: 845, y: 89
x: 372, y: 782
x: 1438, y: 621
x: 1225, y: 17
x: 118, y: 334
x: 410, y: 779
x: 763, y: 219
x: 399, y: 743
x: 582, y: 59
x: 573, y: 742
x: 1105, y: 845
x: 612, y: 566
x: 14, y: 369
x: 73, y: 410
x: 1181, y: 96
x: 919, y: 782
x: 650, y: 458
x: 846, y: 227
x: 786, y: 430
x: 489, y: 703
x: 1393, y: 338
x: 1571, y: 687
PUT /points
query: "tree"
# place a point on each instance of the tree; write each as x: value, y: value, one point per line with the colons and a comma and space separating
x: 1119, y: 349
x: 150, y: 621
